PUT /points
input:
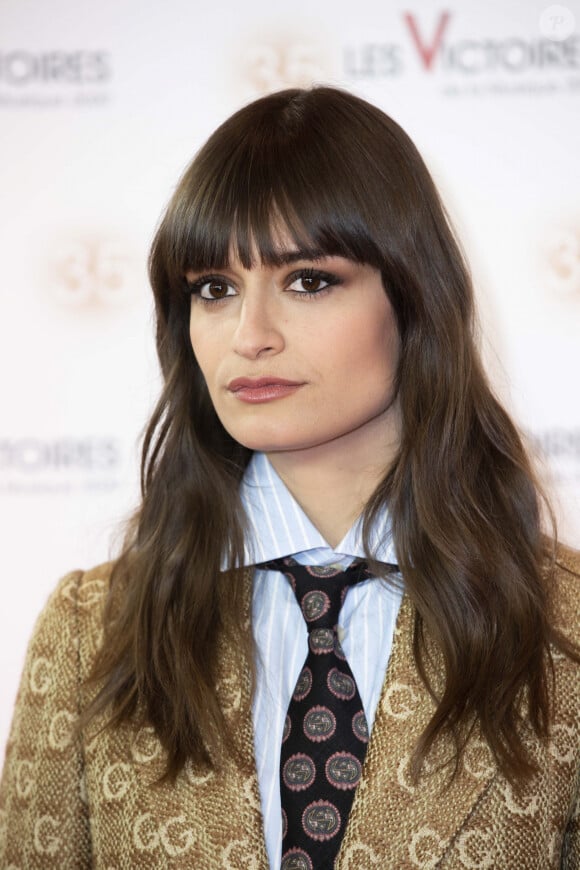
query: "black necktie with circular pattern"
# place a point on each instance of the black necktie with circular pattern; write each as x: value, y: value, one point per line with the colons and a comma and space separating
x: 325, y: 732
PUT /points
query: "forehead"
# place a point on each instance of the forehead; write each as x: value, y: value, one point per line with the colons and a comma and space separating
x: 266, y: 235
x: 278, y: 247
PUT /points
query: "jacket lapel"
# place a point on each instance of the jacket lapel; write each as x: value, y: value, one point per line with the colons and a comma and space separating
x: 395, y: 822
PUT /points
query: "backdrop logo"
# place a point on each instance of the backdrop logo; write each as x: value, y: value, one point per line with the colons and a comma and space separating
x: 283, y: 60
x: 31, y: 464
x: 272, y: 67
x: 561, y: 263
x: 557, y: 22
x: 54, y: 78
x: 427, y: 50
x: 560, y: 447
x: 93, y: 270
x: 438, y: 48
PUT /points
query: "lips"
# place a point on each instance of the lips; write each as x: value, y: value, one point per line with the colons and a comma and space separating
x: 258, y: 390
x: 257, y: 383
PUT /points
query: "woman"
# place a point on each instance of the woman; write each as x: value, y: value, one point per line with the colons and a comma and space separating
x: 324, y: 403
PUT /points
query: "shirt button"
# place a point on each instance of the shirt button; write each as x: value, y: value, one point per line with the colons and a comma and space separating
x: 340, y: 633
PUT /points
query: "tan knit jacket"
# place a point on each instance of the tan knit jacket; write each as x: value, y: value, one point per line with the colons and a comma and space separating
x: 78, y: 803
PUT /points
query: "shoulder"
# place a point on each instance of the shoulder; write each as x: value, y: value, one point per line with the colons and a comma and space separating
x: 568, y: 560
x: 72, y: 618
x: 66, y: 638
x: 86, y: 591
x: 79, y: 591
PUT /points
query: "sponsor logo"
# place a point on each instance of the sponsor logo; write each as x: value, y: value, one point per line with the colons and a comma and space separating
x: 540, y: 55
x: 273, y: 66
x: 96, y: 269
x: 24, y: 68
x: 557, y: 22
x: 560, y: 447
x: 36, y: 465
x: 561, y: 262
x: 547, y: 59
x: 54, y: 78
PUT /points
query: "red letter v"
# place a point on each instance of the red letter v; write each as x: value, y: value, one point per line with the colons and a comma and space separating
x: 427, y: 52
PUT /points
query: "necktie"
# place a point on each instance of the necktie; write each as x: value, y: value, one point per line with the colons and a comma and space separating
x: 325, y: 732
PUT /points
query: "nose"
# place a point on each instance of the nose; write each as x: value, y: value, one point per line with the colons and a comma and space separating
x: 258, y: 332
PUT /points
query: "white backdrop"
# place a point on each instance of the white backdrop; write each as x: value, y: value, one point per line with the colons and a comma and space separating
x: 101, y: 107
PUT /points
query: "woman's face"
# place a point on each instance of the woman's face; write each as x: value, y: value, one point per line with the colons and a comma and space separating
x: 300, y: 356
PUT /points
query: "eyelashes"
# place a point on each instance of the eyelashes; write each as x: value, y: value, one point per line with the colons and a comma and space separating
x: 211, y: 288
x: 310, y: 283
x: 312, y: 279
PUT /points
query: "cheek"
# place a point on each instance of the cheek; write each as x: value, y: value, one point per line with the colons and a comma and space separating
x: 373, y: 346
x: 391, y: 343
x: 202, y: 349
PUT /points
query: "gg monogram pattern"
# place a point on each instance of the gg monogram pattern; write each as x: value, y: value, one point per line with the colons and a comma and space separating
x: 80, y: 802
x: 322, y: 749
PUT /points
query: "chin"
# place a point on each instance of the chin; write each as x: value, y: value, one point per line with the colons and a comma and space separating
x: 263, y: 438
x: 263, y: 443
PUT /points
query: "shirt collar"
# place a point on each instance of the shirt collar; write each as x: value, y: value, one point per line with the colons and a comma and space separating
x: 277, y: 526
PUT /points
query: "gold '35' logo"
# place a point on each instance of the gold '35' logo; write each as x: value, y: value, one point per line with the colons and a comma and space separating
x: 562, y: 252
x: 95, y: 270
x: 278, y: 63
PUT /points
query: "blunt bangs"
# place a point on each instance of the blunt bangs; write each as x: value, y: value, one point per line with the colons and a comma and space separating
x: 287, y: 172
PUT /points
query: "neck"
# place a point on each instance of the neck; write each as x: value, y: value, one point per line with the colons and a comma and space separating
x: 332, y: 485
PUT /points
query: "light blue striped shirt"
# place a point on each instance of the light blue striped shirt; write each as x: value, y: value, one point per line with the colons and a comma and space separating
x: 277, y: 526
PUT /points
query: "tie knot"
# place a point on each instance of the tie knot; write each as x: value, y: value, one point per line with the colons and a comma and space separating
x: 320, y: 590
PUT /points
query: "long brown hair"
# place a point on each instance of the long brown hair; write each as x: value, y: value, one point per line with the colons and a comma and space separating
x: 343, y: 179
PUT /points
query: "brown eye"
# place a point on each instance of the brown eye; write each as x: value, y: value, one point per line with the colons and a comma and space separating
x: 311, y: 284
x: 212, y: 289
x: 217, y: 289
